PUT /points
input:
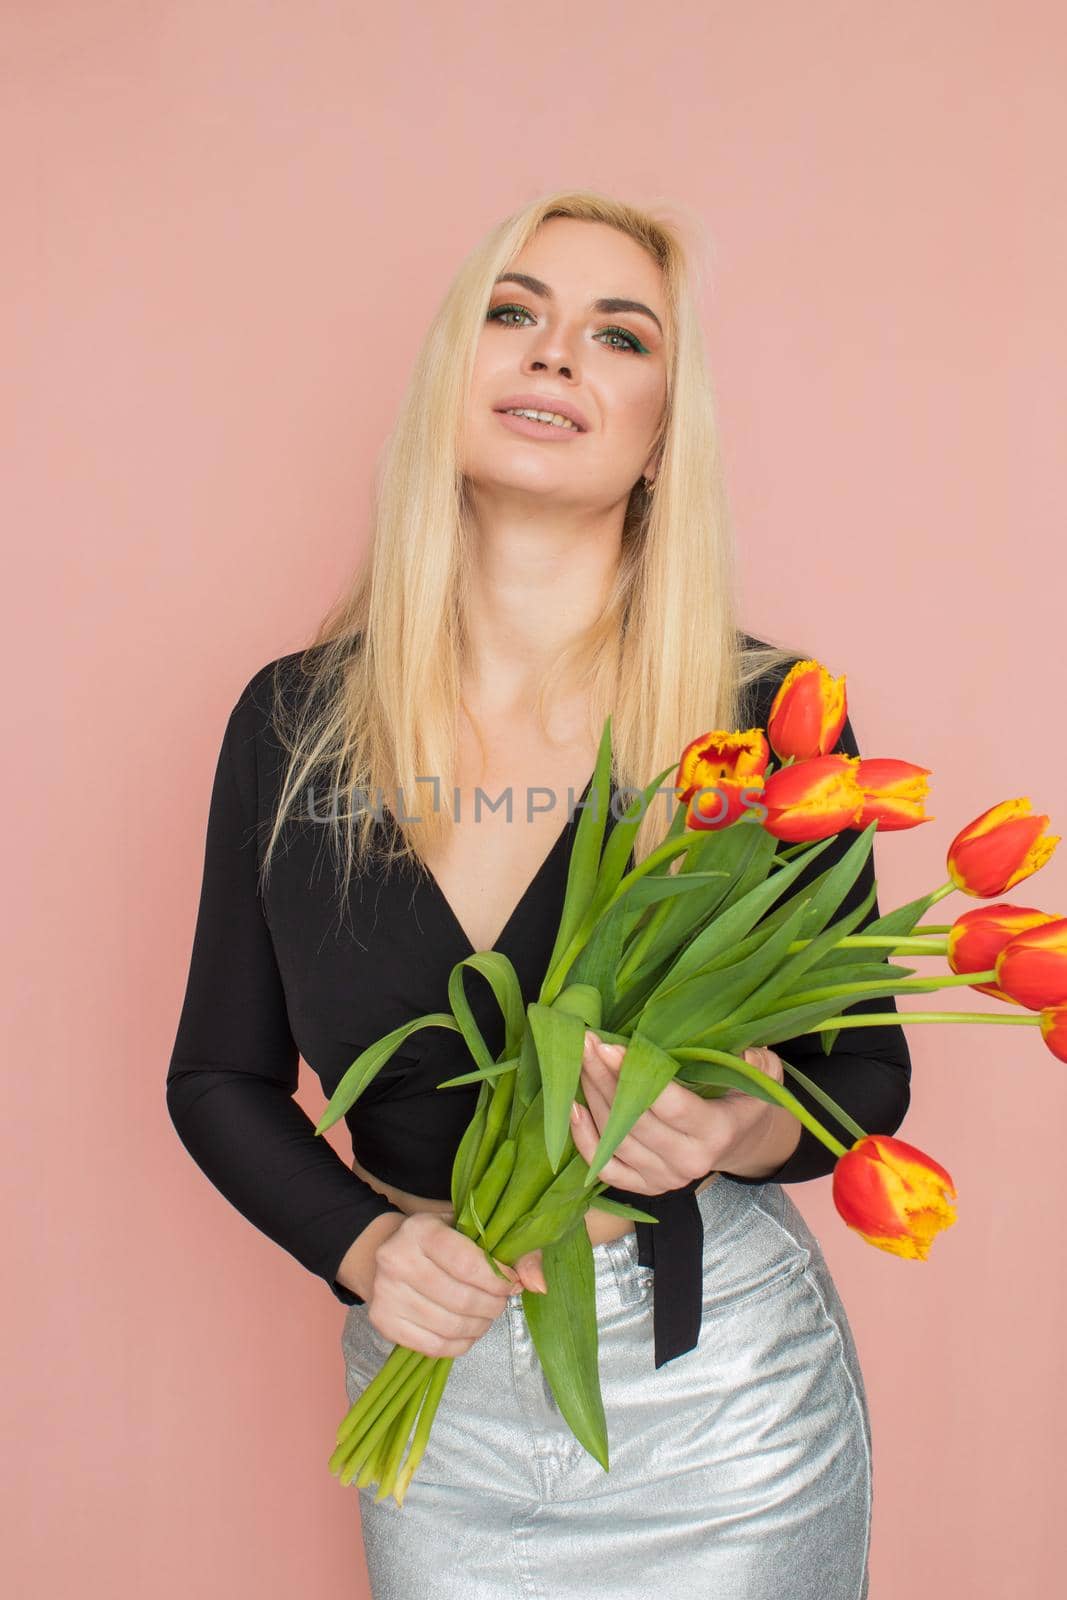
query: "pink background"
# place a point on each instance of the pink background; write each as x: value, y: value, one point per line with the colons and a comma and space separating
x: 225, y: 231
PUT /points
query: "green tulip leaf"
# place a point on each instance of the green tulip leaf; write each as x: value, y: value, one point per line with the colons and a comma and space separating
x: 369, y: 1063
x: 563, y: 1327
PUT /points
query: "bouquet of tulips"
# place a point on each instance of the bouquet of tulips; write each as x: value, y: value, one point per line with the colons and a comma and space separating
x: 685, y: 961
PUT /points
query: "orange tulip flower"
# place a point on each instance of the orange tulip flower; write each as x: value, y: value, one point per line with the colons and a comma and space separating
x: 892, y: 1194
x: 976, y: 939
x: 893, y: 792
x: 807, y: 713
x: 1054, y: 1030
x: 1032, y: 967
x: 729, y: 768
x: 999, y: 848
x: 812, y: 799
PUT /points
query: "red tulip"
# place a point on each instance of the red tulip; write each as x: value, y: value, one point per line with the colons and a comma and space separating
x: 1032, y: 967
x: 1054, y: 1030
x: 728, y: 768
x: 999, y: 848
x: 893, y: 792
x: 812, y: 799
x: 976, y: 939
x: 807, y: 713
x: 892, y: 1194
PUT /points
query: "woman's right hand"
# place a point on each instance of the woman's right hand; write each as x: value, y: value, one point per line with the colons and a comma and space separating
x: 433, y: 1289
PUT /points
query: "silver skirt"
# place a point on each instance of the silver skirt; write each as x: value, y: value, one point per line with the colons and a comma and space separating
x: 740, y: 1470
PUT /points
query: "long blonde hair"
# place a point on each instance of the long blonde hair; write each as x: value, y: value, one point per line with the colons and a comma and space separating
x: 383, y: 672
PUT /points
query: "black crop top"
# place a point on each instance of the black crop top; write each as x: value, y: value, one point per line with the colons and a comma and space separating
x: 277, y: 977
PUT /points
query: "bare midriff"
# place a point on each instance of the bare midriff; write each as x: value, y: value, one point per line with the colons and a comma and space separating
x: 600, y: 1225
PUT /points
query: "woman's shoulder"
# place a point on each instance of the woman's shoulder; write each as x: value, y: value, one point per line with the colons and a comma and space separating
x: 256, y: 740
x: 285, y: 681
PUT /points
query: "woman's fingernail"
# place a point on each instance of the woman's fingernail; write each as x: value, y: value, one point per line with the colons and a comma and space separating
x: 576, y: 1111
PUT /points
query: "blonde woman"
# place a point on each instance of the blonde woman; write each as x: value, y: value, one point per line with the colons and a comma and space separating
x: 549, y: 545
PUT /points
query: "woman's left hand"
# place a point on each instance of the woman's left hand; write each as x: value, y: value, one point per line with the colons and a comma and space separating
x: 682, y: 1136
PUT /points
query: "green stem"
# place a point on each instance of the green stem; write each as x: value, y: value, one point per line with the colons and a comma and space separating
x: 905, y: 986
x: 438, y: 1378
x: 401, y: 1433
x: 771, y: 1086
x: 378, y: 1393
x: 373, y: 1439
x: 838, y: 1113
x: 874, y: 1019
x: 905, y: 944
x: 499, y: 1109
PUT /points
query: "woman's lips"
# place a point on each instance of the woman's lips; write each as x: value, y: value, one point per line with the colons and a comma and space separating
x: 537, y: 430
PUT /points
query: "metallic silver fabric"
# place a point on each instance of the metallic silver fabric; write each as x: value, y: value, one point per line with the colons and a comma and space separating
x: 740, y: 1470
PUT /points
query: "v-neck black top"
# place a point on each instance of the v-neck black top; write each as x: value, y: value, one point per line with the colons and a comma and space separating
x: 278, y: 976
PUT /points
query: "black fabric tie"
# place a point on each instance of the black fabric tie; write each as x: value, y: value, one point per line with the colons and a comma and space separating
x: 674, y: 1247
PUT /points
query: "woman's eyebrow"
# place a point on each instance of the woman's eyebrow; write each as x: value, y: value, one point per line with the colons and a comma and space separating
x: 608, y: 303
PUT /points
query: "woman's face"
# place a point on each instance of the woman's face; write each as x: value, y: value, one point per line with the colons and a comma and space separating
x: 546, y: 338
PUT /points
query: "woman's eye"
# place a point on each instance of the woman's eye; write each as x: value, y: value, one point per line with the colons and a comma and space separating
x: 630, y: 341
x: 499, y: 312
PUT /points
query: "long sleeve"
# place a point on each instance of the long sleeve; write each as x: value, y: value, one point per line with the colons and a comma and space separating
x: 234, y: 1067
x: 868, y: 1070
